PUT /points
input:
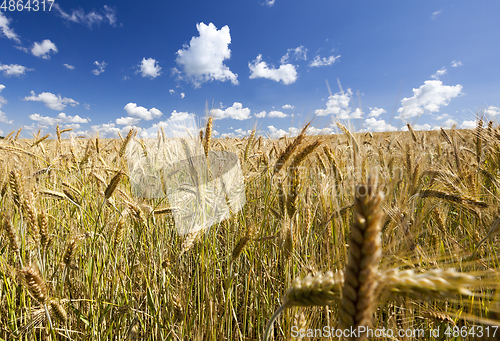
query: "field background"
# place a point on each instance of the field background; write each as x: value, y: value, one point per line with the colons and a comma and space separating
x: 116, y: 269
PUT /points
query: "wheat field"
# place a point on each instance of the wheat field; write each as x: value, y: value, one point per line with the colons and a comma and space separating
x: 393, y: 231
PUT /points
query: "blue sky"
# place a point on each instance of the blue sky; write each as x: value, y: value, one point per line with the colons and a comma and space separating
x: 272, y: 65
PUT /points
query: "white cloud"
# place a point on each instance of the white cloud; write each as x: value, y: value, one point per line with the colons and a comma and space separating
x: 7, y: 31
x: 299, y: 53
x: 59, y: 119
x: 275, y: 133
x: 13, y: 70
x: 171, y: 91
x: 436, y: 14
x: 439, y: 73
x: 270, y: 3
x: 468, y: 125
x: 183, y: 95
x: 128, y: 121
x: 492, y: 111
x: 43, y: 49
x: 431, y: 97
x: 318, y: 61
x: 89, y: 19
x: 236, y: 111
x: 107, y: 130
x: 261, y: 114
x: 149, y: 68
x: 51, y: 101
x: 456, y: 63
x: 448, y: 123
x: 442, y: 117
x: 69, y: 67
x: 3, y: 118
x: 142, y: 113
x: 287, y: 106
x: 286, y: 73
x: 372, y: 124
x: 100, y: 68
x: 338, y: 105
x: 2, y: 100
x: 203, y: 60
x: 277, y: 114
x: 179, y: 116
x: 376, y: 112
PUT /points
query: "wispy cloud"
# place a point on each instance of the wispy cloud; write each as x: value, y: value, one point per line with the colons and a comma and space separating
x: 318, y: 61
x: 6, y: 30
x: 100, y: 67
x: 107, y: 14
x: 436, y: 14
x: 69, y: 67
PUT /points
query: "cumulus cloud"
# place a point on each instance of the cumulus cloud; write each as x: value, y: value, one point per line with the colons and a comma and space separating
x: 59, y: 119
x: 43, y: 49
x: 142, y: 113
x: 269, y: 3
x: 431, y: 97
x: 275, y: 133
x: 6, y: 30
x: 100, y: 68
x: 338, y: 105
x: 183, y: 95
x: 277, y: 114
x: 51, y: 101
x: 107, y: 14
x: 149, y: 68
x: 286, y: 73
x: 439, y: 73
x: 261, y: 114
x: 236, y: 111
x: 203, y: 59
x: 376, y: 112
x: 13, y: 70
x: 287, y: 106
x: 179, y: 116
x: 298, y: 53
x: 468, y: 125
x: 318, y: 61
x: 69, y: 67
x: 374, y: 125
x: 456, y: 63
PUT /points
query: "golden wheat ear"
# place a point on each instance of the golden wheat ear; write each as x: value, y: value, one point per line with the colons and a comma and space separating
x: 365, y: 251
